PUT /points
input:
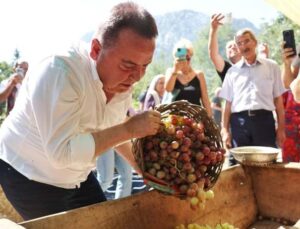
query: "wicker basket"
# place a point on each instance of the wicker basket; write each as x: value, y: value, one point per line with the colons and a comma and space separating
x: 212, y: 135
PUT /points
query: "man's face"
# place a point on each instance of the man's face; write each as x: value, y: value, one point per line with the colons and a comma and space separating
x: 231, y: 50
x: 246, y: 46
x: 24, y: 66
x: 125, y: 62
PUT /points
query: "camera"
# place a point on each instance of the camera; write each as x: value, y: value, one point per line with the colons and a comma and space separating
x: 181, y: 53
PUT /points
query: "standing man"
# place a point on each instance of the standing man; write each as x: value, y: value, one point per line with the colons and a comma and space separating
x: 252, y: 89
x: 70, y: 110
x: 232, y: 52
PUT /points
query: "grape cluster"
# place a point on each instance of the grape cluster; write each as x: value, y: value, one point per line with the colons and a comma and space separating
x: 197, y: 226
x: 180, y: 155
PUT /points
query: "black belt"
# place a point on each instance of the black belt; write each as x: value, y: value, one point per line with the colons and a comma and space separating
x: 254, y: 112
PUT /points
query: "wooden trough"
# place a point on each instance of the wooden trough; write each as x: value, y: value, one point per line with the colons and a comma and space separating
x: 244, y: 195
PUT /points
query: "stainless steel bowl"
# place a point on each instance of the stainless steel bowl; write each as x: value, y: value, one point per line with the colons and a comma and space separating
x: 255, y: 154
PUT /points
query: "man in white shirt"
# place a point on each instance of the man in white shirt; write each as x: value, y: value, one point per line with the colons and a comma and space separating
x: 71, y: 109
x: 252, y: 89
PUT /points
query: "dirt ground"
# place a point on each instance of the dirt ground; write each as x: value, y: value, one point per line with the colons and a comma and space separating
x: 6, y: 210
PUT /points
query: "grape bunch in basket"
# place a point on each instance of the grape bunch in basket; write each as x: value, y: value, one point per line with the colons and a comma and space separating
x: 186, y: 156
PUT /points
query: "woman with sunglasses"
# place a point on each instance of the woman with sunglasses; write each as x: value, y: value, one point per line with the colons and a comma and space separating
x: 182, y: 81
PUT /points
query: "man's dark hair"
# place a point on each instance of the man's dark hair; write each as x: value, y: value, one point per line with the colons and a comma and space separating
x: 126, y: 15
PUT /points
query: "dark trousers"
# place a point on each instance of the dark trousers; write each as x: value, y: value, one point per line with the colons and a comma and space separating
x: 252, y: 129
x: 34, y: 199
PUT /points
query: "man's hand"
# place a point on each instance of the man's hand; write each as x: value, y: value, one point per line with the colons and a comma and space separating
x: 215, y: 21
x: 287, y: 55
x: 144, y: 124
x: 226, y: 138
x: 280, y: 136
x: 15, y: 79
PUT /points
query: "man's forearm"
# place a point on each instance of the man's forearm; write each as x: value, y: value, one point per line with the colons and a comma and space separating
x: 213, y: 47
x: 226, y: 116
x: 110, y: 137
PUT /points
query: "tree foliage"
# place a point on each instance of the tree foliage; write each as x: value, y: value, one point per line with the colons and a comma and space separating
x: 272, y: 35
x: 5, y: 70
x: 200, y: 61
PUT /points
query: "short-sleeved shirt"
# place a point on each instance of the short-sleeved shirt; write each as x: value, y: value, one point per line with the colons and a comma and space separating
x: 224, y: 71
x: 252, y: 87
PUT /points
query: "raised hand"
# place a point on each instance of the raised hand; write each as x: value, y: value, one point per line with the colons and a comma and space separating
x: 15, y: 79
x: 215, y: 20
x: 287, y: 54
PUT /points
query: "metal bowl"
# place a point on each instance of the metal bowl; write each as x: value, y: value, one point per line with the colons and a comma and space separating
x: 256, y: 155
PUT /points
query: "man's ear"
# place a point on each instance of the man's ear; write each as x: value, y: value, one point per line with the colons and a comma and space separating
x: 95, y: 49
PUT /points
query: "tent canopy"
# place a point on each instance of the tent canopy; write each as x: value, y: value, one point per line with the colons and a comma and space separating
x: 290, y: 8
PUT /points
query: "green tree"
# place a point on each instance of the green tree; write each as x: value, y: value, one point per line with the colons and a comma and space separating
x: 5, y: 70
x: 272, y: 35
x: 200, y: 61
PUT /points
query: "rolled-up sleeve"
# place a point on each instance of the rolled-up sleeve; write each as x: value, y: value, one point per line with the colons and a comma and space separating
x: 82, y: 149
x: 278, y: 87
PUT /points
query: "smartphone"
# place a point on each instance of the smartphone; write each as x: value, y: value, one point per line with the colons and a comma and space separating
x: 181, y: 53
x: 227, y: 18
x: 289, y: 38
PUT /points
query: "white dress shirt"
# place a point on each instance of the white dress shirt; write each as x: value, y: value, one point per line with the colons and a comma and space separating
x: 47, y: 137
x: 252, y: 87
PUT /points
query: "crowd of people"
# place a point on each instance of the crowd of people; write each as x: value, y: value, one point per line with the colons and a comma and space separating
x: 73, y: 113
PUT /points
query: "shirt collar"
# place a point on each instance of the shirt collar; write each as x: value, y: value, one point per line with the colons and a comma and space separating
x: 242, y: 63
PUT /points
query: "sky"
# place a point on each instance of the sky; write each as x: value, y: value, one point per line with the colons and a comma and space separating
x: 38, y: 28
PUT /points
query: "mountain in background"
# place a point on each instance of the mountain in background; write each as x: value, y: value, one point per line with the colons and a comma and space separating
x: 187, y: 24
x: 184, y: 23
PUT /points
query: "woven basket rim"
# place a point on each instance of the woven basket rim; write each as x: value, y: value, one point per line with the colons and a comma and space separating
x: 199, y: 114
